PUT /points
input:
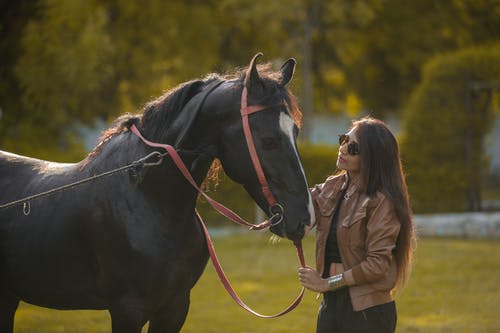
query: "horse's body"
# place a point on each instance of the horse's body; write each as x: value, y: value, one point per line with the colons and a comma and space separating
x: 132, y: 244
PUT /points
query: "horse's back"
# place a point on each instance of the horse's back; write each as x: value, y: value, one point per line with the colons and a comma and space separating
x: 14, y: 170
x: 17, y: 171
x: 34, y: 244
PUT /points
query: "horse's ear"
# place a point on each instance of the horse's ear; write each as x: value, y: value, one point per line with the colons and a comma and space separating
x: 252, y: 78
x: 287, y: 71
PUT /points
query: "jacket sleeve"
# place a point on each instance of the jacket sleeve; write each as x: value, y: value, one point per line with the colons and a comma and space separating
x: 382, y: 231
x: 315, y: 191
x: 328, y: 186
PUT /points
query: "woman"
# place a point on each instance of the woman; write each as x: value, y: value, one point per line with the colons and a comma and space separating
x: 364, y: 233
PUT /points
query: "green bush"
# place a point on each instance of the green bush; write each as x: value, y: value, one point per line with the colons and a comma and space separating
x: 318, y: 162
x: 437, y: 123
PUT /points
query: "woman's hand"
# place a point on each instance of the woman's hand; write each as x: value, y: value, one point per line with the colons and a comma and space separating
x: 311, y: 280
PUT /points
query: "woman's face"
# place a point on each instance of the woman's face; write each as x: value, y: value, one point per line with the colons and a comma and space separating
x: 346, y: 161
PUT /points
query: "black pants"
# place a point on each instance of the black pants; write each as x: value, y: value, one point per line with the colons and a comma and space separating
x: 337, y: 316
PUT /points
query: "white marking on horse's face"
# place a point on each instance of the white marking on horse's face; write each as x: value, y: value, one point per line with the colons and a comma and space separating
x: 287, y: 125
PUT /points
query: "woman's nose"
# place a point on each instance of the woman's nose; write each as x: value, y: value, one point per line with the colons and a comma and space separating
x: 343, y: 148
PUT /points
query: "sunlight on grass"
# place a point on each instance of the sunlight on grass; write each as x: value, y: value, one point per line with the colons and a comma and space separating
x: 453, y: 288
x: 33, y: 319
x: 247, y: 287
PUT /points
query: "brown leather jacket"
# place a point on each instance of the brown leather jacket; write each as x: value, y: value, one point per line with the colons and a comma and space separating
x: 367, y: 231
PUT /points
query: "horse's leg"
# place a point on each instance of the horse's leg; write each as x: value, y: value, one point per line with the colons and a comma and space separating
x: 127, y: 316
x: 8, y: 307
x: 171, y: 317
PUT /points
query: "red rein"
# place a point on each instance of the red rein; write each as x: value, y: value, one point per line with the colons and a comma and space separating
x: 227, y: 285
x: 245, y: 111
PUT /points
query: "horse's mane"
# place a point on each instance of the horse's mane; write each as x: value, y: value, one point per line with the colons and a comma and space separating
x: 156, y: 115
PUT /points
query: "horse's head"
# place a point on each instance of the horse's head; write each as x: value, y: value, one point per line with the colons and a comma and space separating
x: 205, y: 115
x: 274, y: 131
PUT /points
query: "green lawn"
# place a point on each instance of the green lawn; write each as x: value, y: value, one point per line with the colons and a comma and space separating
x: 454, y: 288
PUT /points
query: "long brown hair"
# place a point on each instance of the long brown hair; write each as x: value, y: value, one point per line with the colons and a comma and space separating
x: 381, y: 170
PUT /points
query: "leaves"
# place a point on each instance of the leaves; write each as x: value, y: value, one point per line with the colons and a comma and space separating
x: 72, y: 62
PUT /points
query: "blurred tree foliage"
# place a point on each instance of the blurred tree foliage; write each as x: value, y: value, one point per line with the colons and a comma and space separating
x: 64, y: 63
x: 380, y: 46
x: 64, y: 73
x: 445, y: 124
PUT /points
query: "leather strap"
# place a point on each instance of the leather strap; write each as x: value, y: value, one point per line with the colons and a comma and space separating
x: 233, y: 217
x: 185, y: 172
x: 245, y: 111
x: 227, y: 285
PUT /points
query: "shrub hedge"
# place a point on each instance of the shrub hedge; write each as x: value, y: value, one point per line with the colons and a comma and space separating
x: 438, y: 122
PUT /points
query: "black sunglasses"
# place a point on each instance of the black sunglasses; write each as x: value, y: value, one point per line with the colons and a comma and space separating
x: 352, y: 148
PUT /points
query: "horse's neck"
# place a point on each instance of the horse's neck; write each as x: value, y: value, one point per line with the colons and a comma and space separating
x: 169, y: 177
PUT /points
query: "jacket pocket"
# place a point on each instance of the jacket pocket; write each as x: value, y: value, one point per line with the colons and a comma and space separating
x: 355, y: 231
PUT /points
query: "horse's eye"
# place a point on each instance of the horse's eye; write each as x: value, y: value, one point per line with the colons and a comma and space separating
x: 271, y: 143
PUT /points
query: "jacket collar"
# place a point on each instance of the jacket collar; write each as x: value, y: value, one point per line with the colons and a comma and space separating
x: 354, y: 187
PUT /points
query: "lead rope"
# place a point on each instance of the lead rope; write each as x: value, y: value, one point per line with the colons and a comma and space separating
x: 227, y: 285
x: 187, y: 175
x: 230, y: 215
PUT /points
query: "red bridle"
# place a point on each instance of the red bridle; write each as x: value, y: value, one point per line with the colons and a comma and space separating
x: 275, y: 209
x: 245, y: 112
x: 273, y: 204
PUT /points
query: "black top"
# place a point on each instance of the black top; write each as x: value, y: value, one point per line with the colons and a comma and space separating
x: 332, y: 253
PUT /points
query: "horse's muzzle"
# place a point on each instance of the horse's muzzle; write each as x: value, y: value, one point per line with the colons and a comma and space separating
x: 284, y: 229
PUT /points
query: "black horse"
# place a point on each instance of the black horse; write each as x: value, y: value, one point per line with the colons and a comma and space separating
x: 131, y: 243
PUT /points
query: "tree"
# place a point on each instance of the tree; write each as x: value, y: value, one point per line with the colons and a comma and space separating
x: 63, y: 73
x: 14, y: 15
x: 79, y: 60
x: 83, y: 60
x: 382, y: 45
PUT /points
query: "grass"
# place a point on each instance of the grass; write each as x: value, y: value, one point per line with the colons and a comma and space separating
x: 454, y: 288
